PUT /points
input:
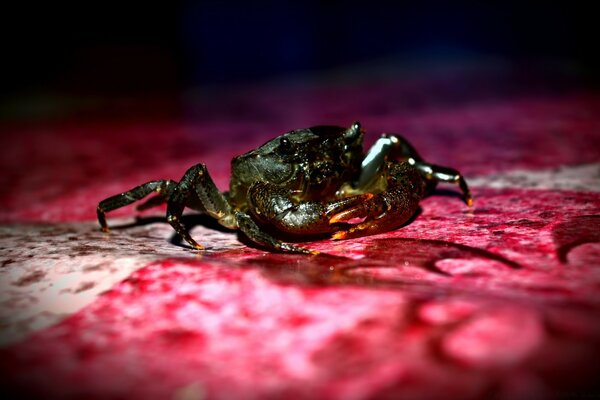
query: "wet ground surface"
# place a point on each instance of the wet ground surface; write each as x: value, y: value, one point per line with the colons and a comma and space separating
x: 501, y: 299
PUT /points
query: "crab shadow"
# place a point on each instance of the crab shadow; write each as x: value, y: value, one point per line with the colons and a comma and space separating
x: 190, y: 221
x: 383, y: 263
x: 444, y: 192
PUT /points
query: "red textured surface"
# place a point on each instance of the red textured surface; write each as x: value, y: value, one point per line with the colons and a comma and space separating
x: 500, y: 300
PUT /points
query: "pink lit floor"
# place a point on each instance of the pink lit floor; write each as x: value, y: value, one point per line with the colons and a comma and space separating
x: 502, y: 299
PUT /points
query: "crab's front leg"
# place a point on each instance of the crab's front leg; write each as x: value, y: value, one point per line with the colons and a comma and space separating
x: 388, y: 209
x: 255, y: 233
x: 277, y: 206
x: 274, y: 205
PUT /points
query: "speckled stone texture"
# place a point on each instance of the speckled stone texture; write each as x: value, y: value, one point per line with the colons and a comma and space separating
x: 501, y: 300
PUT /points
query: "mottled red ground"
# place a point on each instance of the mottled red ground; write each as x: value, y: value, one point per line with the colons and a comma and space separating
x: 501, y: 300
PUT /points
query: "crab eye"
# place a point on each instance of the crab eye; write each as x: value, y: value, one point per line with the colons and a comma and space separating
x: 353, y: 132
x: 286, y: 146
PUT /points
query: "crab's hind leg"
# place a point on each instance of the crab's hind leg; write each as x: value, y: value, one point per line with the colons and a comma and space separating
x: 162, y: 187
x: 197, y: 190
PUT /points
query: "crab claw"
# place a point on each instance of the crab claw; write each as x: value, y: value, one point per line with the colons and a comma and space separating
x: 366, y: 208
x: 352, y: 232
x: 369, y: 211
x: 386, y: 210
x: 336, y: 210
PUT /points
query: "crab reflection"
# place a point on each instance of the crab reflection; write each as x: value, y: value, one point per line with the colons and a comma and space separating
x: 389, y: 255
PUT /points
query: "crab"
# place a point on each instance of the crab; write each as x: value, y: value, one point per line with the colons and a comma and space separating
x: 309, y: 181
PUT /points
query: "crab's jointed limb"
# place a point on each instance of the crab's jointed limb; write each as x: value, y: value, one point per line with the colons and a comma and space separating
x: 399, y: 186
x: 390, y: 147
x: 163, y: 188
x: 388, y: 209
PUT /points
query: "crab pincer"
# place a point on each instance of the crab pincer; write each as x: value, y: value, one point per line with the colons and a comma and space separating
x: 388, y: 209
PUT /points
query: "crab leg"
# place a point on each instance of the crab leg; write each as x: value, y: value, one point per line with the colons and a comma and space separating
x: 435, y: 173
x: 257, y: 235
x: 163, y: 188
x: 197, y: 190
x: 391, y: 147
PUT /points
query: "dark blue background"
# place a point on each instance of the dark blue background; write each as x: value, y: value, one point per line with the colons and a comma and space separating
x: 122, y: 47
